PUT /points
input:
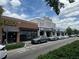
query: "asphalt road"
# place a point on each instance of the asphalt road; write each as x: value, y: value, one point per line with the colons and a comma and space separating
x: 33, y: 51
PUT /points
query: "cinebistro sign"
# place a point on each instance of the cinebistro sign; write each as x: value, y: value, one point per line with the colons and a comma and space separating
x: 7, y: 22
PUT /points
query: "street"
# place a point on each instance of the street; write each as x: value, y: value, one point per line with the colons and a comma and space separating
x: 31, y: 52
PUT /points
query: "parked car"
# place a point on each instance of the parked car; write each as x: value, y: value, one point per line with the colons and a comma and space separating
x: 39, y: 40
x: 77, y: 35
x: 3, y: 52
x: 53, y: 38
x: 71, y: 35
x: 66, y: 37
x: 60, y: 37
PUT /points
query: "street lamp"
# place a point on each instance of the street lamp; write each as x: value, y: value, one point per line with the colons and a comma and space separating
x: 6, y: 30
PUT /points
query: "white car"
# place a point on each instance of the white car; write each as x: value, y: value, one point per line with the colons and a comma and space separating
x: 66, y: 37
x: 60, y: 37
x: 3, y: 52
x: 53, y: 38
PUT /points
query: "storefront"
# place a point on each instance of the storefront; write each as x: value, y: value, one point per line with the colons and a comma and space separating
x: 27, y: 34
x: 10, y: 34
x: 46, y: 26
x: 16, y: 30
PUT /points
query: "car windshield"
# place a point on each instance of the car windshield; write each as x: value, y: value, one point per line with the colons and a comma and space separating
x: 37, y: 38
x: 52, y: 36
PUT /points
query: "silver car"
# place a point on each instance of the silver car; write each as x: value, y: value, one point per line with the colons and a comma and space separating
x: 3, y: 52
x: 53, y: 38
x: 39, y: 40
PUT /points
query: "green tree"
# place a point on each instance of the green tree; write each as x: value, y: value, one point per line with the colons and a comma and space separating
x: 69, y: 31
x: 71, y: 1
x: 75, y: 31
x: 54, y: 4
x: 1, y: 11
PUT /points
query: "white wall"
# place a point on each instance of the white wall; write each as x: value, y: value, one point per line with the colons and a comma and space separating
x: 44, y: 22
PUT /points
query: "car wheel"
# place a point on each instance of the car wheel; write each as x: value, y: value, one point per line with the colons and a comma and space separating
x: 39, y: 42
x: 46, y: 41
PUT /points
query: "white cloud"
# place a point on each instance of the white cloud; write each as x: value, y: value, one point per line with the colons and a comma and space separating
x: 76, y: 0
x: 15, y: 3
x: 64, y: 23
x: 67, y: 1
x: 6, y: 12
x: 70, y: 16
x: 64, y: 1
x: 3, y: 2
x: 23, y: 15
x: 15, y: 15
x: 75, y: 13
x: 70, y: 9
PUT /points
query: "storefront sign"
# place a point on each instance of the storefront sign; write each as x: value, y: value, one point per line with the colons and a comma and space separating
x: 7, y: 22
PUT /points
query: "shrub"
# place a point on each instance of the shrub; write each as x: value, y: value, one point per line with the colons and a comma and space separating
x: 14, y: 46
x: 70, y: 51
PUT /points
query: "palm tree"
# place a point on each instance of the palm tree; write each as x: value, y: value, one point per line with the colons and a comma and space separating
x: 1, y: 11
x: 71, y: 1
x: 54, y: 4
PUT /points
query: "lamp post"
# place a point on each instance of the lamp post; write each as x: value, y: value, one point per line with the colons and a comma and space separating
x: 6, y: 36
x: 6, y: 30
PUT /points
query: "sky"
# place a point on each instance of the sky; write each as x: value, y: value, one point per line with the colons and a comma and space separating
x: 27, y: 9
x: 69, y: 16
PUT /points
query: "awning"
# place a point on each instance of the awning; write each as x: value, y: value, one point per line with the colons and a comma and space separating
x: 10, y: 29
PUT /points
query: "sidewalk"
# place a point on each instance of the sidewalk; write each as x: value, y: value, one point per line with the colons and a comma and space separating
x: 27, y: 43
x: 23, y: 49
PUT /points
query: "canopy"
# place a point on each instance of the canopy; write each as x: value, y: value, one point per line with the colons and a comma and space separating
x: 10, y: 29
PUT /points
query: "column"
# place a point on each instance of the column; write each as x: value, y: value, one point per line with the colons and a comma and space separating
x: 38, y: 32
x: 18, y: 37
x: 45, y: 33
x: 55, y: 33
x: 60, y: 33
x: 64, y: 34
x: 51, y: 33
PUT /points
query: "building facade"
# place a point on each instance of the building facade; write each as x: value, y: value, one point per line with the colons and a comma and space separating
x: 16, y: 30
x: 46, y: 26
